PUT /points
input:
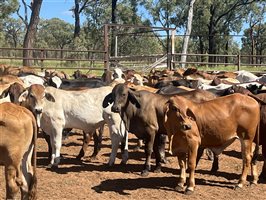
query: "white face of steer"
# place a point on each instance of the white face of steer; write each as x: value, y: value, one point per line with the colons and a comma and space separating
x: 33, y: 98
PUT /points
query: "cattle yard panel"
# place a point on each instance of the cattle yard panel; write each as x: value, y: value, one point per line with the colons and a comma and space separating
x: 96, y: 58
x: 103, y: 59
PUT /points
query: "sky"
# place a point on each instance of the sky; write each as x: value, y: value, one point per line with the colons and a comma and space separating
x: 55, y: 8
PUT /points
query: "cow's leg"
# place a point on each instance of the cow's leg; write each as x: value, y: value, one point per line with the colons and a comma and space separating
x: 199, y: 154
x: 159, y: 151
x: 12, y: 187
x: 148, y: 151
x: 115, y: 140
x: 124, y: 149
x: 192, y: 156
x: 56, y: 143
x: 48, y: 141
x: 96, y: 146
x: 139, y: 145
x: 86, y: 141
x: 262, y: 176
x: 246, y: 146
x: 215, y: 163
x: 182, y: 179
x: 28, y: 177
x: 254, y: 170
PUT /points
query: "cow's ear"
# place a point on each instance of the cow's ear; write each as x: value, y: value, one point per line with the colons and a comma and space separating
x: 23, y: 96
x: 190, y: 114
x: 107, y: 100
x: 133, y: 99
x: 49, y: 97
x: 4, y: 93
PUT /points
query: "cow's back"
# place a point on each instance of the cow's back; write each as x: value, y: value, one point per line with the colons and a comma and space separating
x: 76, y: 109
x: 227, y: 116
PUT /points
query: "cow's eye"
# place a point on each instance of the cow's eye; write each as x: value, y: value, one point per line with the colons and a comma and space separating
x: 31, y: 95
x: 174, y: 109
x: 123, y: 94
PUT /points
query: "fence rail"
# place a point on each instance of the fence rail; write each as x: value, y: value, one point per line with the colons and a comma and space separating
x: 100, y: 59
x: 95, y: 58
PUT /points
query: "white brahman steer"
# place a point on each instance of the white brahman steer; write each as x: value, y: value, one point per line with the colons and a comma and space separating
x: 57, y: 109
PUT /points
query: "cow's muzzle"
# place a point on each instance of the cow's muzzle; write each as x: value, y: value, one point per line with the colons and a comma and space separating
x: 38, y: 111
x: 115, y: 109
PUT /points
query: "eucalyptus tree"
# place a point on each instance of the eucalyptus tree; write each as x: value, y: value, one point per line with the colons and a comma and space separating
x: 31, y: 31
x: 14, y: 31
x: 56, y: 33
x: 8, y: 7
x: 255, y: 21
x: 222, y: 17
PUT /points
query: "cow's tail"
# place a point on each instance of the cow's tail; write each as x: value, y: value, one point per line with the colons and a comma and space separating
x: 33, y: 183
x: 257, y: 142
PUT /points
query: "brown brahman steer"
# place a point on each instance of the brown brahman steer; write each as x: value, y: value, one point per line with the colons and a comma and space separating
x: 143, y: 114
x: 18, y: 133
x: 213, y: 124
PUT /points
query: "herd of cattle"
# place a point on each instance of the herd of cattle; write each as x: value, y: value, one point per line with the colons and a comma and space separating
x: 195, y: 109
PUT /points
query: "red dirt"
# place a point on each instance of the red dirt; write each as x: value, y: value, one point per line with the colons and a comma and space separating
x: 94, y: 180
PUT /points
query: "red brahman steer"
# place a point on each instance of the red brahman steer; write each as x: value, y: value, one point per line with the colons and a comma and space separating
x: 213, y: 124
x: 18, y: 133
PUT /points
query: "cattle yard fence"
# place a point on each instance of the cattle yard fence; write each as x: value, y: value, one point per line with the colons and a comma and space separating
x: 108, y: 57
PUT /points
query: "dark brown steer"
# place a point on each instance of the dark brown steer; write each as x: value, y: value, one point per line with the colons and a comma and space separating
x: 143, y: 114
x: 214, y: 124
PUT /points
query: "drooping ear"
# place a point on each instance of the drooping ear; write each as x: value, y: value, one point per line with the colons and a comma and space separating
x: 133, y: 99
x: 23, y: 96
x: 49, y: 97
x: 107, y: 100
x: 190, y: 114
x: 4, y: 93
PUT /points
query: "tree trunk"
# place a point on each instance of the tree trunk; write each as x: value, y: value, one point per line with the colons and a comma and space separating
x: 31, y: 32
x: 187, y: 34
x: 212, y: 32
x: 77, y: 19
x: 114, y: 6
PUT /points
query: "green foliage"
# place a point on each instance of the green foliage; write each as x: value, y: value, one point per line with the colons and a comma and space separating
x: 7, y: 7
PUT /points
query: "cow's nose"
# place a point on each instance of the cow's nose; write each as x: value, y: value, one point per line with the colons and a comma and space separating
x: 38, y: 110
x: 115, y: 109
x: 186, y: 127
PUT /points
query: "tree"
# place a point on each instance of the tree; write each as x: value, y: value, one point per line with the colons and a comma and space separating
x: 56, y: 33
x: 13, y: 30
x: 8, y: 7
x: 223, y: 16
x: 187, y: 34
x: 31, y: 32
x: 79, y: 7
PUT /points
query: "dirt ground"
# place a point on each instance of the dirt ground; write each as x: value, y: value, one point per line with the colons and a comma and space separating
x: 94, y: 180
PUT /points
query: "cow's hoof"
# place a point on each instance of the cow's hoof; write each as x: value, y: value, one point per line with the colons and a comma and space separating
x: 237, y: 187
x: 144, y: 173
x: 214, y: 169
x: 158, y: 170
x: 164, y: 161
x: 188, y: 192
x: 122, y: 163
x: 92, y: 158
x: 78, y: 157
x: 136, y: 149
x: 253, y: 184
x: 262, y: 178
x: 179, y: 188
x: 52, y: 167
